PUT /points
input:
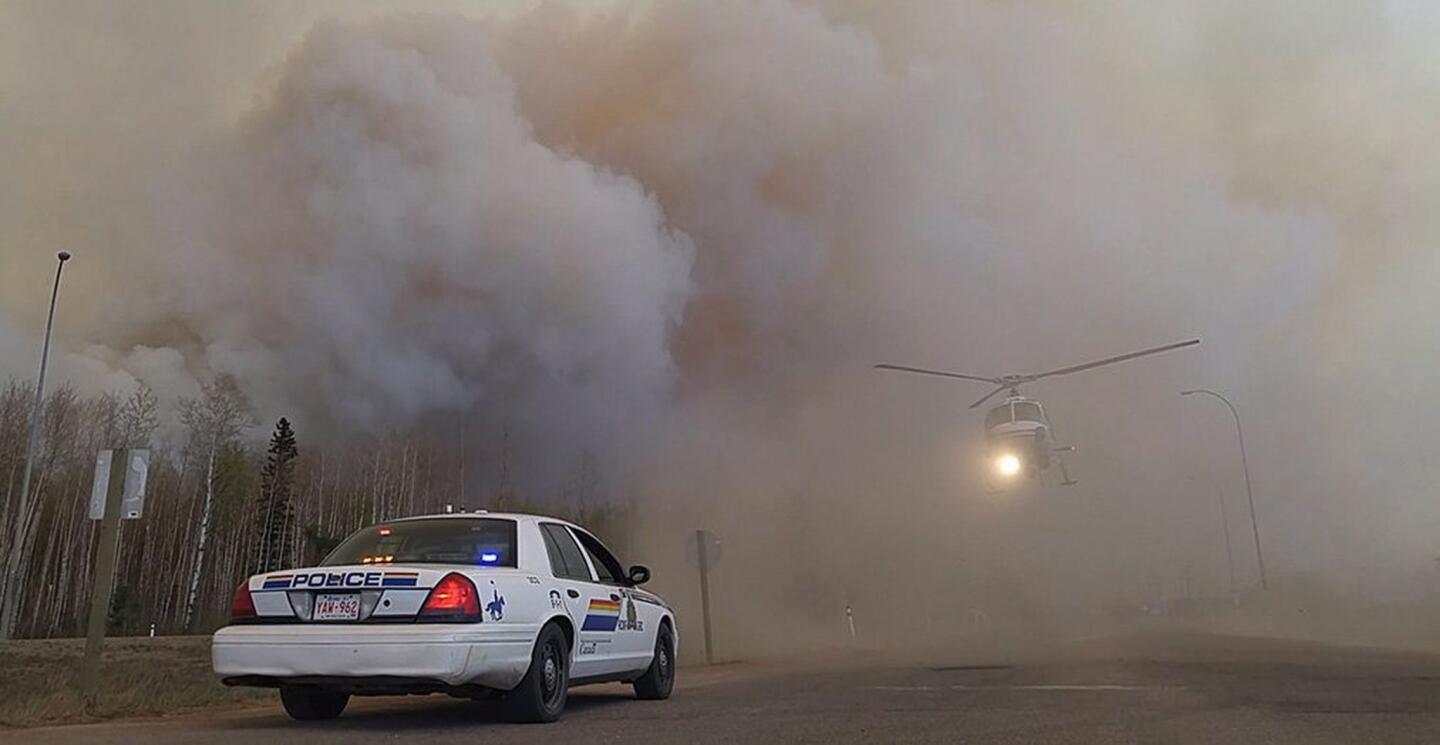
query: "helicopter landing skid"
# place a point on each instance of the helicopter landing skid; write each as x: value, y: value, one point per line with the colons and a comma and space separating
x: 1065, y: 479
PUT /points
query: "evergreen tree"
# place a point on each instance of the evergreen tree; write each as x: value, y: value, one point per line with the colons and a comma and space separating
x: 274, y: 518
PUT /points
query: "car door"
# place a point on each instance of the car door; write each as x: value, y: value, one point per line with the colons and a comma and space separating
x: 592, y: 607
x: 634, y: 636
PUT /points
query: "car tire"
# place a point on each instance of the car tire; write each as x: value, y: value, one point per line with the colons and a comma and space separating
x: 541, y: 695
x: 659, y: 680
x: 310, y: 704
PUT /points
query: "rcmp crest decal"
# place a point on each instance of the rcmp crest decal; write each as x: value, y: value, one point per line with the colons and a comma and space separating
x: 630, y: 622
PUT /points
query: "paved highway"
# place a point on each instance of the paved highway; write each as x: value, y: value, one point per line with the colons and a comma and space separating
x: 1149, y: 688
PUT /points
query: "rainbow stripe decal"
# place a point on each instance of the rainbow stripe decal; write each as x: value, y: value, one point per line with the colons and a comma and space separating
x: 277, y: 582
x: 602, y: 615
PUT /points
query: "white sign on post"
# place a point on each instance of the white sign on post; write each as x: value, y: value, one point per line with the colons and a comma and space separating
x: 102, y: 482
x: 135, y: 477
x: 133, y: 502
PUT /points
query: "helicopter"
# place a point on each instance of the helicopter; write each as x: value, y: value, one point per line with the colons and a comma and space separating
x: 1017, y: 433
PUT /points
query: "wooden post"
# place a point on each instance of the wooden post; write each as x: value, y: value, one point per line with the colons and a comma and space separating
x: 700, y: 540
x: 104, y: 574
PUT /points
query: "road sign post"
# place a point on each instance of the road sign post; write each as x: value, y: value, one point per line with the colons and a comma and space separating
x: 104, y: 576
x: 118, y: 493
x: 700, y: 541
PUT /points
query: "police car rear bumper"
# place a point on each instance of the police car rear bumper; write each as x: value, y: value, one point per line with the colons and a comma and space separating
x: 494, y: 657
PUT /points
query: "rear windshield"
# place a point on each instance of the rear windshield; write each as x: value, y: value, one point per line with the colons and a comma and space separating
x: 477, y: 541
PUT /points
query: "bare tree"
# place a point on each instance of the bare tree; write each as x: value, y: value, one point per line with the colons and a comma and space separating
x: 13, y: 408
x: 58, y: 427
x: 215, y: 420
x: 139, y: 417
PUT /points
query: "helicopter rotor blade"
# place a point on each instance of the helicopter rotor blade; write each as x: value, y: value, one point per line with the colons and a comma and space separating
x: 1113, y: 360
x: 989, y: 396
x: 940, y: 373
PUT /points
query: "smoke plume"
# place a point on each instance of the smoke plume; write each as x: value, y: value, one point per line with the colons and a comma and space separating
x: 677, y: 235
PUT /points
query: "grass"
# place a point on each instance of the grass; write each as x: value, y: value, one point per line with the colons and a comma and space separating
x: 140, y: 677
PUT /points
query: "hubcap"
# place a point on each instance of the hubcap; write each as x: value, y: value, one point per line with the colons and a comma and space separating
x: 551, y: 674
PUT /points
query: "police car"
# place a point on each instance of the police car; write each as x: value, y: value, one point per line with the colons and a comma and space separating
x: 474, y: 605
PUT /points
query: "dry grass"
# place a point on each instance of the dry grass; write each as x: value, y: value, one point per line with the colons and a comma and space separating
x: 140, y: 677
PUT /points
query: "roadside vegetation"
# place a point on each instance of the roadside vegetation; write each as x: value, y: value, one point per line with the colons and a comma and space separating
x: 223, y: 502
x: 40, y: 681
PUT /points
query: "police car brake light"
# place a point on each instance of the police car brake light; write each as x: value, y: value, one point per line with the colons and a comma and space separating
x: 242, y: 606
x: 454, y: 599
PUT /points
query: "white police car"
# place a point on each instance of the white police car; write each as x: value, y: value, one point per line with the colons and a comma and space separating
x: 474, y: 605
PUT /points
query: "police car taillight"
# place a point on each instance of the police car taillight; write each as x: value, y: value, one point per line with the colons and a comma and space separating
x: 452, y: 600
x: 242, y: 606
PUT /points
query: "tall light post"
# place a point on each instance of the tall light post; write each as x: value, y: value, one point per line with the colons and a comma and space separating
x: 1245, y: 465
x: 10, y: 614
x: 1225, y: 524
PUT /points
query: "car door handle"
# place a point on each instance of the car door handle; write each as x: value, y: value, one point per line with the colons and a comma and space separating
x: 573, y: 593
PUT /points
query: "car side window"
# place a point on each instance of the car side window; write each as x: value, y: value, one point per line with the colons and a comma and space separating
x: 565, y: 558
x: 605, y: 563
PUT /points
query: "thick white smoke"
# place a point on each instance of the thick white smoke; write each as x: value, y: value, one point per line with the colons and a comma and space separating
x: 688, y: 228
x: 382, y: 238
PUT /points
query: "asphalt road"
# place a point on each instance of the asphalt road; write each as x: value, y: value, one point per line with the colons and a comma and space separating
x: 1160, y: 688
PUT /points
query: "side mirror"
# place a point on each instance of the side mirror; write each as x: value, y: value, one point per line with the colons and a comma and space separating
x: 638, y: 575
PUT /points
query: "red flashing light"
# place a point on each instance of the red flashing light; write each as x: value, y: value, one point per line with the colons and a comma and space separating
x: 242, y: 606
x: 454, y: 599
x: 384, y: 532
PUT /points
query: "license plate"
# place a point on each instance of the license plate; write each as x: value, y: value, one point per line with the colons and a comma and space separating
x: 337, y: 607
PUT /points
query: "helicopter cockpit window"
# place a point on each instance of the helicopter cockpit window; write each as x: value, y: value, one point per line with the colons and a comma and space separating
x: 998, y: 416
x: 1028, y: 412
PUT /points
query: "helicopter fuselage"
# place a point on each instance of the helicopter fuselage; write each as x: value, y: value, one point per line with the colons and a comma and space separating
x: 1018, y: 436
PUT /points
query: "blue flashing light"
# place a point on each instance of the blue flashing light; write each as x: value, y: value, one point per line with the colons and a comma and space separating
x: 489, y: 558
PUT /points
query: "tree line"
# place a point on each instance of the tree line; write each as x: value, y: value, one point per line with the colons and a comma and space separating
x: 221, y: 503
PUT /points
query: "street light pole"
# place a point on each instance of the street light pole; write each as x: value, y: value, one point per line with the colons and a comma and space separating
x: 1245, y: 465
x: 11, y: 612
x: 1225, y: 524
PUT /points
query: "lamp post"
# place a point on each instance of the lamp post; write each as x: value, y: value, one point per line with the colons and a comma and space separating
x: 11, y: 612
x: 1245, y: 465
x: 1224, y: 523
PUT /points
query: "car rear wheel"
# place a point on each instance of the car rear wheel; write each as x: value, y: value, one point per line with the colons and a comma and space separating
x: 310, y: 704
x: 541, y: 695
x: 659, y: 680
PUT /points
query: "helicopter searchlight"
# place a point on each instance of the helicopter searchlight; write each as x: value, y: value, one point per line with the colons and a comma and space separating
x: 1017, y: 432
